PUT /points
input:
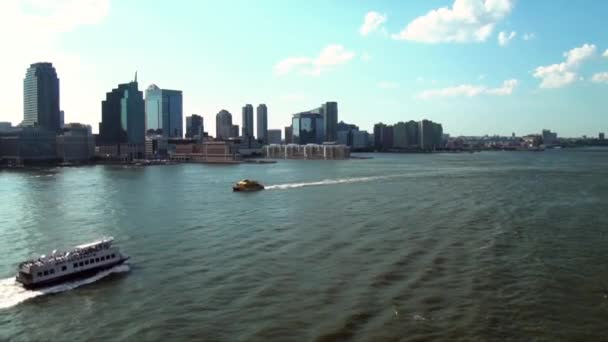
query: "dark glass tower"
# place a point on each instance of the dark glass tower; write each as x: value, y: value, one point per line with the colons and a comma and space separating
x: 247, y: 122
x: 329, y: 111
x: 194, y: 126
x: 262, y: 123
x: 164, y: 111
x: 123, y: 116
x: 41, y: 97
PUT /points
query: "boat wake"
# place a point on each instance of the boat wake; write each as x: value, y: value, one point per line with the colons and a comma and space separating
x: 12, y: 293
x: 328, y: 182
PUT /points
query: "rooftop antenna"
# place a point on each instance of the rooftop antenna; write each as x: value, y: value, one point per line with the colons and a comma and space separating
x: 135, y: 76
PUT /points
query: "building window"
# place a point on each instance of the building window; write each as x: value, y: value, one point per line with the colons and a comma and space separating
x: 46, y: 273
x: 64, y: 268
x: 81, y: 264
x: 96, y: 259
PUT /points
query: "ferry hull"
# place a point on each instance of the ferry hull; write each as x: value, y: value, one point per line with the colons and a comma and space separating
x: 73, y: 276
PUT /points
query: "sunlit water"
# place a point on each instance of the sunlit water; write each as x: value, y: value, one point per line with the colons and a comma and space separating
x: 487, y: 246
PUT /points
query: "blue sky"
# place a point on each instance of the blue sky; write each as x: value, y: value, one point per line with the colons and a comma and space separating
x: 434, y: 59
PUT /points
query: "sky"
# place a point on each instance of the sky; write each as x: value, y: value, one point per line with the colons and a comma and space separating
x: 476, y: 66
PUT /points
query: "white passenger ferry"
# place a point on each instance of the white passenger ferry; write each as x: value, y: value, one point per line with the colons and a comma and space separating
x: 81, y: 262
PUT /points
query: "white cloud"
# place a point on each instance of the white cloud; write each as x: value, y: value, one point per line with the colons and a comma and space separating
x: 605, y: 54
x: 330, y: 57
x: 388, y: 85
x: 562, y: 74
x: 529, y: 36
x: 470, y: 90
x: 504, y: 38
x: 465, y: 21
x: 372, y: 22
x: 600, y: 77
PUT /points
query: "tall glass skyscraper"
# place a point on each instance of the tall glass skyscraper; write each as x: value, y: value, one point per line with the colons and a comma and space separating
x: 123, y: 119
x: 164, y: 111
x: 262, y: 123
x: 307, y: 128
x: 247, y: 122
x: 329, y: 110
x: 194, y: 126
x: 41, y: 97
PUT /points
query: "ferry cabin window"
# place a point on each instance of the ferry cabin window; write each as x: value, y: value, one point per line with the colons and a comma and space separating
x: 63, y: 268
x: 52, y: 270
x: 86, y: 262
x: 75, y: 264
x: 40, y: 274
x: 103, y: 258
x: 113, y: 256
x: 96, y: 259
x: 81, y: 264
x: 92, y: 261
x: 46, y: 273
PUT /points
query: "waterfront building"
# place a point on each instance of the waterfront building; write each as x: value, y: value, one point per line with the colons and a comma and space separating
x: 288, y: 135
x: 157, y: 146
x: 223, y: 125
x: 61, y: 119
x: 41, y: 97
x: 29, y: 145
x: 7, y: 127
x: 310, y: 151
x: 431, y: 135
x: 330, y: 120
x: 549, y: 138
x: 195, y: 126
x: 383, y: 137
x: 247, y: 121
x: 601, y: 136
x: 360, y: 140
x: 123, y: 116
x: 308, y: 128
x: 344, y: 138
x: 76, y: 143
x: 400, y: 138
x: 274, y: 136
x: 413, y: 133
x: 164, y: 112
x: 262, y: 123
x: 234, y: 132
x: 223, y: 152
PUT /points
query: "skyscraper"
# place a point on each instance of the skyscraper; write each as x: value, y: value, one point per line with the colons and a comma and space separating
x: 262, y: 123
x: 223, y: 125
x: 41, y: 97
x: 307, y: 128
x: 194, y: 126
x: 123, y: 118
x: 430, y: 134
x: 234, y: 133
x: 164, y: 111
x: 383, y: 136
x: 329, y: 110
x: 247, y: 121
x: 288, y: 135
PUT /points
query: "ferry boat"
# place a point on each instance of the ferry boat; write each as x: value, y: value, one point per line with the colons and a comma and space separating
x: 81, y: 262
x: 247, y: 185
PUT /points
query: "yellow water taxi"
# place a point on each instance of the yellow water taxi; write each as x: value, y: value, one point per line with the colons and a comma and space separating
x: 247, y: 185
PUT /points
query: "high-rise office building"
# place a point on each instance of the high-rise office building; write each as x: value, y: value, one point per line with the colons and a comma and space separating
x: 288, y: 135
x: 223, y: 125
x: 247, y: 121
x: 308, y: 128
x: 234, y: 133
x: 194, y: 126
x: 413, y: 134
x: 41, y: 97
x: 601, y: 136
x: 274, y: 136
x: 164, y: 111
x: 61, y: 119
x: 123, y: 118
x: 430, y: 135
x: 400, y: 135
x: 329, y: 110
x: 262, y: 123
x: 383, y: 136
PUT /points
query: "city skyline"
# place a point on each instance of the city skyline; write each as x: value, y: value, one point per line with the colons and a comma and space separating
x: 511, y: 74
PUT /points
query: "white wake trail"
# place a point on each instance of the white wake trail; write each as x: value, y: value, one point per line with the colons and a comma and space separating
x: 12, y: 293
x: 327, y: 182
